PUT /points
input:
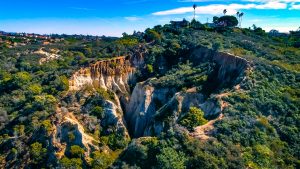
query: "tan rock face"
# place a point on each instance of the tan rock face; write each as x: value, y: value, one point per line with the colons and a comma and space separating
x: 112, y: 74
x: 144, y: 102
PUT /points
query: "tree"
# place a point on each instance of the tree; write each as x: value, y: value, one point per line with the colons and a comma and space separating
x: 101, y: 160
x: 20, y: 79
x: 152, y: 35
x: 215, y: 19
x: 254, y: 27
x: 241, y: 18
x: 194, y: 6
x: 76, y: 151
x: 149, y: 68
x: 224, y: 11
x: 238, y: 16
x: 196, y: 24
x: 228, y: 21
x: 47, y: 126
x: 35, y: 89
x: 37, y: 152
x: 193, y: 118
x: 73, y: 163
x: 98, y: 112
x: 170, y: 159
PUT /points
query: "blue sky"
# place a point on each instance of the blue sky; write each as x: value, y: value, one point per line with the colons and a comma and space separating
x: 113, y: 17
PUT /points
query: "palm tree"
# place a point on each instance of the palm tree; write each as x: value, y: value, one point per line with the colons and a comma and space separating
x: 224, y: 11
x: 194, y: 6
x: 241, y: 16
x: 238, y: 16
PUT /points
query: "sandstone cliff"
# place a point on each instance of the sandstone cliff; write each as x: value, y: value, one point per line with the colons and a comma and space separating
x: 230, y: 68
x: 144, y: 102
x: 140, y: 108
x: 112, y: 74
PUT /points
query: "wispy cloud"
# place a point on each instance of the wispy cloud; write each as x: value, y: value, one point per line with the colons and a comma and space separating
x: 132, y: 18
x: 215, y: 9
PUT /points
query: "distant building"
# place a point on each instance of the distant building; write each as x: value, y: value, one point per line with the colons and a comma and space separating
x: 46, y: 43
x: 180, y: 24
x: 276, y: 33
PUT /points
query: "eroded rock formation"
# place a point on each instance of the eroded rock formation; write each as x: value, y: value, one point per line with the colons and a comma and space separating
x: 145, y: 103
x: 230, y: 67
x: 144, y: 113
x: 112, y: 74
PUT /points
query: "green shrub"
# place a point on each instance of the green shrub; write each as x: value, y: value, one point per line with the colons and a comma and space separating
x: 171, y: 159
x: 76, y: 151
x: 193, y: 118
x: 98, y: 112
x: 37, y: 152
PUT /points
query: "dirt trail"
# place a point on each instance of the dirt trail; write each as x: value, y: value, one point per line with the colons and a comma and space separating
x: 202, y: 132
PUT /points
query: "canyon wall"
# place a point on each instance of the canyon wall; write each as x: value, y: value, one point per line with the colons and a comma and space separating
x: 145, y: 103
x: 148, y: 105
x: 230, y: 68
x: 112, y: 74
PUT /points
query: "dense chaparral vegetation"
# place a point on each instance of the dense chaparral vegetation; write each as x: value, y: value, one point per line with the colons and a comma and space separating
x: 261, y: 128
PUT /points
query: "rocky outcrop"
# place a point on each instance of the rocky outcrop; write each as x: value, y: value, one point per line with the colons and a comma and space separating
x: 145, y: 118
x: 47, y: 56
x: 149, y: 107
x: 74, y: 125
x: 172, y: 110
x: 144, y: 102
x: 112, y: 74
x: 114, y: 116
x: 145, y: 108
x: 230, y: 68
x: 65, y: 124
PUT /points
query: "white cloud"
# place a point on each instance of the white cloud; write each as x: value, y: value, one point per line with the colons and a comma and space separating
x: 281, y: 28
x: 218, y: 8
x: 132, y: 18
x: 272, y: 5
x: 295, y: 7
